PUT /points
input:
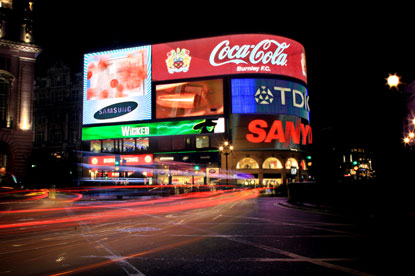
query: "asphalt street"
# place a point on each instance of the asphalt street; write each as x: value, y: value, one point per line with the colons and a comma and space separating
x: 221, y: 233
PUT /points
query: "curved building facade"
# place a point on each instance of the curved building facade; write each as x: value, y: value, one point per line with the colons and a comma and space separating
x: 166, y: 109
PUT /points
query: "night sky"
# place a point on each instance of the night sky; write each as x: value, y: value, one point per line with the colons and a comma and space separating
x: 350, y: 49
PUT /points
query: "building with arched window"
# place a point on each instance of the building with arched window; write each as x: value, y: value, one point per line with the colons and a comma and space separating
x: 186, y: 98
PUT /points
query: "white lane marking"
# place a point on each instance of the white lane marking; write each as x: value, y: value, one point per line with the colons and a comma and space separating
x: 301, y: 258
x: 217, y: 217
x: 277, y: 250
x: 125, y: 265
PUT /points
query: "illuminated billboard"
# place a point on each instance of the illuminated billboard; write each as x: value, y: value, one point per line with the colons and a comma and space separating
x: 187, y: 99
x: 269, y: 96
x: 117, y: 86
x: 187, y: 127
x: 126, y: 160
x: 232, y: 54
x: 269, y: 132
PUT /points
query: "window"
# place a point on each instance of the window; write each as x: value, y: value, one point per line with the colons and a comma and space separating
x: 142, y: 144
x: 164, y: 144
x: 179, y: 143
x: 272, y: 163
x: 202, y: 142
x: 108, y: 146
x: 247, y: 163
x: 303, y: 165
x: 4, y: 91
x: 129, y: 145
x: 291, y: 162
x: 59, y: 80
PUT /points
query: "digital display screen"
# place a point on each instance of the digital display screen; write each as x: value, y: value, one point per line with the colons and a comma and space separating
x: 270, y: 132
x: 270, y: 96
x: 117, y: 86
x: 126, y: 160
x: 188, y: 99
x: 229, y: 54
x: 187, y: 127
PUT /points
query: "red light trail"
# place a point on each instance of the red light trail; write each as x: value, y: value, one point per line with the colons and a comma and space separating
x: 171, y: 204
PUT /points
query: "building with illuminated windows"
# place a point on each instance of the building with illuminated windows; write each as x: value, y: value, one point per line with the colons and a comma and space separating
x: 165, y: 109
x: 17, y: 60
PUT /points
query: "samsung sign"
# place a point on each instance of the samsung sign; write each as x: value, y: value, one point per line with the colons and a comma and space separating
x: 270, y: 96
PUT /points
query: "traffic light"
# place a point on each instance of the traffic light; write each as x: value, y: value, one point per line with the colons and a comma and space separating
x: 196, y: 167
x: 355, y: 163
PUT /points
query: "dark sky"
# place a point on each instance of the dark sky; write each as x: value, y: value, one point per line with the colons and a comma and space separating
x: 350, y: 49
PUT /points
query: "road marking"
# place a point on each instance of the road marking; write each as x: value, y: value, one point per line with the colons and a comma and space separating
x: 217, y: 217
x: 259, y: 236
x: 300, y: 257
x: 298, y: 225
x: 125, y: 265
x: 295, y: 257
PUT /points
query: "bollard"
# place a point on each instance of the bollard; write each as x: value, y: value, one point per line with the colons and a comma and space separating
x: 52, y: 192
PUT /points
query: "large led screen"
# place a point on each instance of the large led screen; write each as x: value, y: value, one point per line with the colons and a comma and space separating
x: 117, y: 86
x: 270, y: 96
x: 270, y: 132
x: 188, y: 99
x: 186, y: 127
x: 231, y: 54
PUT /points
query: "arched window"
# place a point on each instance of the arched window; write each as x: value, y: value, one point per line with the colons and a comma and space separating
x: 291, y: 162
x: 272, y: 163
x: 6, y: 80
x: 247, y: 163
x: 303, y: 165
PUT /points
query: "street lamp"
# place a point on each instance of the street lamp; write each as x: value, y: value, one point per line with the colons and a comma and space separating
x: 393, y: 81
x: 408, y: 95
x: 226, y: 148
x: 409, y: 139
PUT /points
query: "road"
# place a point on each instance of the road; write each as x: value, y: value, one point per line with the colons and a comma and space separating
x: 211, y: 233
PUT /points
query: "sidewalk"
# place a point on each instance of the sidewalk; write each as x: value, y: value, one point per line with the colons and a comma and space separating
x: 309, y: 207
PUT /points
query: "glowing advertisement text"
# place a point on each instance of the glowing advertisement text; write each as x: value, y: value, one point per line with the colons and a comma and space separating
x: 117, y: 86
x: 226, y: 55
x: 269, y: 96
x: 267, y: 132
x: 127, y: 160
x: 186, y: 127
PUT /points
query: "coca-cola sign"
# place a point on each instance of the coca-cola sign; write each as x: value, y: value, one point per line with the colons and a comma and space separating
x: 225, y: 55
x: 263, y: 52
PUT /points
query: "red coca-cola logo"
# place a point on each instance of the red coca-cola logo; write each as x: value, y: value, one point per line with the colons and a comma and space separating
x: 267, y: 51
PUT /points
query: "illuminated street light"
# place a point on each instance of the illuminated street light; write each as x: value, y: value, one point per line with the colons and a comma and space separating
x: 393, y: 81
x: 226, y: 148
x: 409, y: 139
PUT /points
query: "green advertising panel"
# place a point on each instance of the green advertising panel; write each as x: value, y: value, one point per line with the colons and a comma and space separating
x: 186, y: 127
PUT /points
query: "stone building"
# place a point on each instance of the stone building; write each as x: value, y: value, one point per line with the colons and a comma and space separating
x: 17, y: 62
x: 57, y: 123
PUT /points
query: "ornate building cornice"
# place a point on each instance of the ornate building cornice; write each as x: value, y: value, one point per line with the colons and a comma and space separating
x: 24, y: 47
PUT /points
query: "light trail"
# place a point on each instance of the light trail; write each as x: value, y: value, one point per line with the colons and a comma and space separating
x: 119, y: 205
x: 168, y: 205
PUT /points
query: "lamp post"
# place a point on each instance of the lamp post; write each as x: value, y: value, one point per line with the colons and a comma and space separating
x: 226, y: 148
x: 409, y: 101
x: 409, y: 139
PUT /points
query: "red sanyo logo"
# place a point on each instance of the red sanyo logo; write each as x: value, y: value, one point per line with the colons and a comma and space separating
x: 261, y: 132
